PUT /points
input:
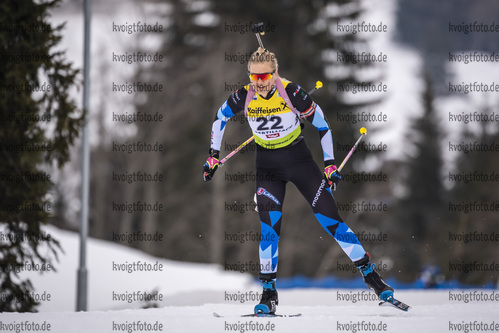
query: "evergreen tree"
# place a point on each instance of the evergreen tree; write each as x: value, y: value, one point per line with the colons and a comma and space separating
x: 419, y: 19
x: 39, y: 123
x: 420, y: 211
x: 471, y: 234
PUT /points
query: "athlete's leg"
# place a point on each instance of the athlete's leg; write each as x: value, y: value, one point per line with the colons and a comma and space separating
x: 310, y: 181
x: 270, y: 196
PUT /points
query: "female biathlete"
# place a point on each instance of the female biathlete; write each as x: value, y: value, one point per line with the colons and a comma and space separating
x: 273, y: 107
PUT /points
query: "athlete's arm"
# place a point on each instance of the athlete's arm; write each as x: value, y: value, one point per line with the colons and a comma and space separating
x: 233, y: 105
x: 319, y: 120
x: 304, y: 104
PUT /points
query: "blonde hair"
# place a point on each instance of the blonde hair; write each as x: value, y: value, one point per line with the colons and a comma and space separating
x: 263, y: 56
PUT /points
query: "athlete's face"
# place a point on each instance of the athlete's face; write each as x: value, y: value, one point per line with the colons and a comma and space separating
x: 262, y: 87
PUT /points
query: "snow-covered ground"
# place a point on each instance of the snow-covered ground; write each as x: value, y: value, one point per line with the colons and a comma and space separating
x: 430, y: 313
x: 119, y: 275
x: 192, y: 292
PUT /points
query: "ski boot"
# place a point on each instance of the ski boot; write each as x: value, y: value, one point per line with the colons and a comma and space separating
x: 269, y: 301
x: 373, y: 280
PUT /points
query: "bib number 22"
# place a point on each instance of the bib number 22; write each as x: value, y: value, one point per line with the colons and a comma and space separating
x: 271, y: 123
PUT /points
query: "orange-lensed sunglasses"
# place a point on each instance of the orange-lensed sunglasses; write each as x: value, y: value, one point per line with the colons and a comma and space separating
x: 263, y: 76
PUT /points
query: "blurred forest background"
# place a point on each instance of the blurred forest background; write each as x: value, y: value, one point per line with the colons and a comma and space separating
x: 198, y: 217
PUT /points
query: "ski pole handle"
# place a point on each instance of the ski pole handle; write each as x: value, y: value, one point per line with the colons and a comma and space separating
x: 363, y: 131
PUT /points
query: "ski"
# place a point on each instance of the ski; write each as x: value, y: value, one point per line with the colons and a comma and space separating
x: 263, y: 315
x: 395, y: 303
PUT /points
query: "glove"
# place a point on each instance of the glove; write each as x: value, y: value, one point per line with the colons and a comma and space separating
x: 332, y: 175
x: 211, y: 165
